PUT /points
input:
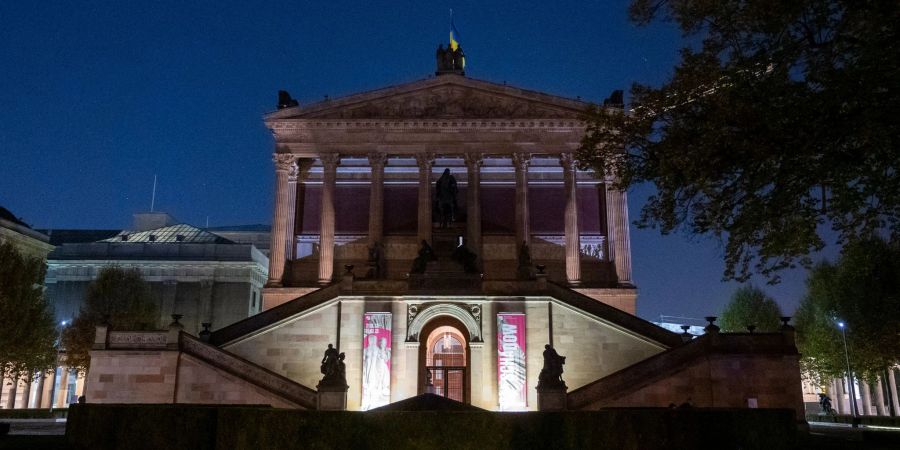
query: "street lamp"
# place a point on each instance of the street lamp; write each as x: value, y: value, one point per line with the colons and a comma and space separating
x: 854, y: 410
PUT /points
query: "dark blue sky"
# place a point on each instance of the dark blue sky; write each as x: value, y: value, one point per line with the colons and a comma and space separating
x: 98, y: 96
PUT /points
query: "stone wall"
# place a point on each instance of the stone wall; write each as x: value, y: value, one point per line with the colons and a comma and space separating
x: 132, y: 376
x: 733, y: 370
x: 200, y: 383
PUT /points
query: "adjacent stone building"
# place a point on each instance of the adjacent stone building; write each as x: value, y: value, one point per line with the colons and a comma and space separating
x: 201, y: 275
x: 421, y: 287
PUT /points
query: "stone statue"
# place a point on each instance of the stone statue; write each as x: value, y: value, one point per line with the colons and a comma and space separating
x: 551, y: 374
x: 466, y: 258
x: 445, y: 192
x: 524, y: 268
x: 426, y: 255
x: 377, y: 262
x: 446, y: 61
x: 286, y: 101
x: 333, y: 368
x: 459, y: 59
x: 439, y: 56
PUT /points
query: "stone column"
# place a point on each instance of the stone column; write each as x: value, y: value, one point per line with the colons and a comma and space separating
x: 330, y: 162
x: 425, y: 161
x: 62, y: 394
x: 879, y: 399
x: 892, y: 384
x: 573, y: 236
x: 523, y: 229
x: 473, y: 202
x: 283, y: 164
x: 290, y: 242
x: 618, y: 233
x: 39, y: 392
x: 376, y: 198
x: 837, y: 397
x: 866, y: 398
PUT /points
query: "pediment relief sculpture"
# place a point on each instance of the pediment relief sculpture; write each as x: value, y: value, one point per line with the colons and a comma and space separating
x: 447, y: 102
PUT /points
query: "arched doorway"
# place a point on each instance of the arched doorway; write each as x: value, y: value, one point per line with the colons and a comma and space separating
x: 444, y: 359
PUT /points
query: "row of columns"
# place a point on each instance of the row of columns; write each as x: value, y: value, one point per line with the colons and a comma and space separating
x: 865, y: 403
x: 289, y: 171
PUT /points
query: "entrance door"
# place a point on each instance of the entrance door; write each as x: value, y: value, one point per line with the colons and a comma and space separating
x: 445, y: 363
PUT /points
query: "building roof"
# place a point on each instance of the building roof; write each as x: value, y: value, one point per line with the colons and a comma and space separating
x: 60, y: 237
x: 7, y: 215
x: 182, y: 233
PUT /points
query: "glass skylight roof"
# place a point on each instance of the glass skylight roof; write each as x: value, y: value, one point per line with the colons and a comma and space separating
x: 181, y: 233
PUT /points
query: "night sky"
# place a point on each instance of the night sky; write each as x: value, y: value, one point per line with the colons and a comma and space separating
x: 97, y: 97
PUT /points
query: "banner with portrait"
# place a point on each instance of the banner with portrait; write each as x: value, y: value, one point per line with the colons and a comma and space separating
x: 376, y: 376
x: 511, y: 385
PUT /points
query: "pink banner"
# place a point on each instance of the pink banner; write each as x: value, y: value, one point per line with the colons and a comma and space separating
x: 512, y: 388
x: 376, y: 382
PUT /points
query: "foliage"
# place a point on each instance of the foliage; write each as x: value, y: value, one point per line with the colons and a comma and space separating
x: 777, y: 122
x: 27, y: 329
x: 118, y: 296
x: 751, y: 306
x: 862, y: 290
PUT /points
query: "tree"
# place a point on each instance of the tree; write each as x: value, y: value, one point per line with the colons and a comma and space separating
x: 122, y: 299
x: 27, y: 329
x: 861, y: 290
x: 777, y: 122
x: 751, y: 306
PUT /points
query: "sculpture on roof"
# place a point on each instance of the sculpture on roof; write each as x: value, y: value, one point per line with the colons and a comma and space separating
x: 286, y: 101
x: 449, y: 60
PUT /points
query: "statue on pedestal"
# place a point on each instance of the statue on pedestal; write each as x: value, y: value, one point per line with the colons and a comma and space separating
x: 377, y: 262
x: 333, y: 368
x: 426, y: 255
x: 524, y: 271
x: 551, y: 374
x: 445, y: 191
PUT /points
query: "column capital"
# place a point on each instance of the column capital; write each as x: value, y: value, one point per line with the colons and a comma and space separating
x: 568, y: 161
x: 473, y: 160
x: 521, y: 161
x: 330, y: 160
x: 283, y: 161
x: 377, y: 159
x: 425, y: 160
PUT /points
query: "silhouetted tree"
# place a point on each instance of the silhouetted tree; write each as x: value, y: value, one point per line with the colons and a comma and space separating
x: 862, y: 290
x: 779, y: 118
x: 121, y: 297
x: 27, y: 330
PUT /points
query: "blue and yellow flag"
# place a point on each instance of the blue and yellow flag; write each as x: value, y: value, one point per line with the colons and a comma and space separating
x: 454, y: 34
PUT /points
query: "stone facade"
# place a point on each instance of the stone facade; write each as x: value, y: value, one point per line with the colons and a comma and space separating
x: 536, y: 243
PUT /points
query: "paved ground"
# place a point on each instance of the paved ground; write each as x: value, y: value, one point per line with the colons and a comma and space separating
x: 40, y: 434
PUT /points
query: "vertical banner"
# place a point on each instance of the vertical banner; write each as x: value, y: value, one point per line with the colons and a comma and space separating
x: 511, y: 386
x: 376, y: 377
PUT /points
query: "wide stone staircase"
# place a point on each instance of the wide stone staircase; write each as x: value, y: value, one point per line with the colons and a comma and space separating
x: 444, y: 273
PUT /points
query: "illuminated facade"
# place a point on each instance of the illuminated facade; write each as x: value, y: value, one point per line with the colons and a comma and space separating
x: 537, y: 254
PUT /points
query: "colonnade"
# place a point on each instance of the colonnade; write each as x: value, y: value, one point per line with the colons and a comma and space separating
x: 290, y: 170
x: 872, y: 396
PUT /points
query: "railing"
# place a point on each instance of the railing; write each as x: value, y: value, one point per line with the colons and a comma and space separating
x: 248, y: 371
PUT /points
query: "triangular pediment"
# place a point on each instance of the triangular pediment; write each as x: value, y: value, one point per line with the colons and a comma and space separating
x: 442, y: 97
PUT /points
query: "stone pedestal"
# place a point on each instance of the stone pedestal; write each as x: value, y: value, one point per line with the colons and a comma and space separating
x: 551, y: 399
x: 331, y: 398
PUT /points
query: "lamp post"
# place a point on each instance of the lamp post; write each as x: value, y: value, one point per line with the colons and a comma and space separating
x: 854, y: 410
x: 57, y: 368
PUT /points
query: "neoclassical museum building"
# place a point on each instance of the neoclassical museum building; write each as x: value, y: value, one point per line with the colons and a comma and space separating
x: 425, y: 284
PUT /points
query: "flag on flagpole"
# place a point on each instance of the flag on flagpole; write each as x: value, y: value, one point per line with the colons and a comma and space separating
x: 454, y: 34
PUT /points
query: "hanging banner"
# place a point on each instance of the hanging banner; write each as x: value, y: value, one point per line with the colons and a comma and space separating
x: 512, y: 389
x: 376, y: 378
